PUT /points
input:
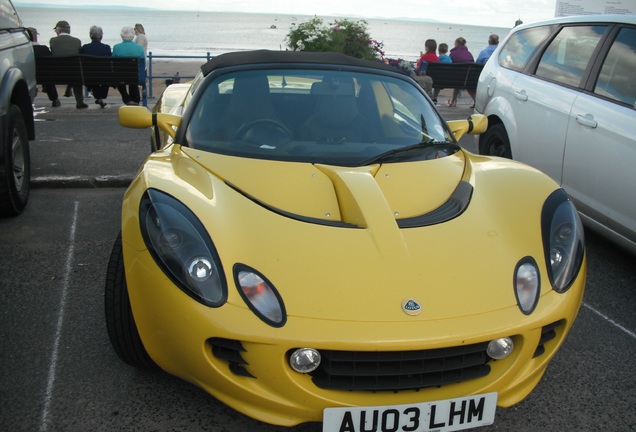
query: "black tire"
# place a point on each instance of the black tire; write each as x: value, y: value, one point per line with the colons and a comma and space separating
x: 120, y: 323
x: 15, y: 165
x: 495, y: 142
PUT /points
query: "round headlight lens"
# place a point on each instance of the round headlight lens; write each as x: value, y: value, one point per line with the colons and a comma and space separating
x: 527, y: 285
x: 501, y: 348
x: 305, y: 360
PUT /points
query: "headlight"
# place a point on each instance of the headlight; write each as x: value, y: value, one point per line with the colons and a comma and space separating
x: 563, y: 240
x: 260, y: 295
x: 527, y: 285
x: 182, y: 248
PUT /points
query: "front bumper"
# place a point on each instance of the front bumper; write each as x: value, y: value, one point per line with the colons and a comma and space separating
x: 253, y: 376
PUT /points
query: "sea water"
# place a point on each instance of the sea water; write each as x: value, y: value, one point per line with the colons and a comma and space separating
x: 192, y: 33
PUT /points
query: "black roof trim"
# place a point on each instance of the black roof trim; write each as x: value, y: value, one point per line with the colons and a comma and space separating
x: 268, y: 57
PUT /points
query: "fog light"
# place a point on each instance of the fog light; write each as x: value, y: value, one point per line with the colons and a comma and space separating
x: 499, y: 349
x: 305, y: 360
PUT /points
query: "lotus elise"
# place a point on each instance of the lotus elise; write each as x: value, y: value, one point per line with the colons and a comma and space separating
x: 308, y: 242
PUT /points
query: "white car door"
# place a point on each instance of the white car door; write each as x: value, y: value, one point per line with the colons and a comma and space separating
x: 543, y: 101
x: 599, y: 169
x: 542, y: 110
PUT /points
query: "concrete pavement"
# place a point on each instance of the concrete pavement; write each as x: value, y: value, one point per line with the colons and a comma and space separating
x: 84, y: 147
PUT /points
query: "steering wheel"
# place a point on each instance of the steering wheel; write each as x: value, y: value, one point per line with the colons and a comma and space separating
x: 264, y: 131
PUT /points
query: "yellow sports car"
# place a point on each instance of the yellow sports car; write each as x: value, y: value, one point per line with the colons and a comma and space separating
x: 308, y: 242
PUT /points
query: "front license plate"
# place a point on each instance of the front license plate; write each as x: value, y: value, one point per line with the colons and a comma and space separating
x: 442, y: 416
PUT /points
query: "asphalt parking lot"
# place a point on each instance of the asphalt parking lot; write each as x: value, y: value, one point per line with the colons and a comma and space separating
x: 59, y: 373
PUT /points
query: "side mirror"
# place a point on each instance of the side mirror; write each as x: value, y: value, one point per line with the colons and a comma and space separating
x: 137, y: 117
x: 475, y: 124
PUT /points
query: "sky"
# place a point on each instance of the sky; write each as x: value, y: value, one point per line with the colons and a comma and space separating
x: 496, y: 13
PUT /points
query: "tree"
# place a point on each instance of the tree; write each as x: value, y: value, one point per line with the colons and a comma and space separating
x: 343, y: 36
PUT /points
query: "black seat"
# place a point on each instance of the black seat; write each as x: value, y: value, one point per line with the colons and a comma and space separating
x: 250, y: 100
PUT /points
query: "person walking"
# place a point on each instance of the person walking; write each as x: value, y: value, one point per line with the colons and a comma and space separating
x: 97, y: 48
x: 140, y: 37
x: 66, y: 45
x: 128, y: 48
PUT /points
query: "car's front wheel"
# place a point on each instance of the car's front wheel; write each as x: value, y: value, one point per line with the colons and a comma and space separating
x: 495, y: 142
x: 15, y: 165
x: 120, y: 323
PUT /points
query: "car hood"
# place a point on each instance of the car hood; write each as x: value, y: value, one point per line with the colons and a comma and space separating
x: 330, y: 240
x: 356, y: 196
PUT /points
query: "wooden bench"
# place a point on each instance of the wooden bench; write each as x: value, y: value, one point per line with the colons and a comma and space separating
x: 89, y: 70
x: 454, y: 75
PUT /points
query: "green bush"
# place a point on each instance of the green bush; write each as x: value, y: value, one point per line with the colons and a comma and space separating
x: 343, y: 36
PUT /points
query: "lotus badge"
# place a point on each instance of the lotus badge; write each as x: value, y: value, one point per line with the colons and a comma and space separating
x: 411, y: 307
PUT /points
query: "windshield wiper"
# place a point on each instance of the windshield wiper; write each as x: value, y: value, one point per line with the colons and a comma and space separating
x: 416, y: 146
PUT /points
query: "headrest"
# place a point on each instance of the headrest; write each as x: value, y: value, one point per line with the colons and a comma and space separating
x: 332, y: 89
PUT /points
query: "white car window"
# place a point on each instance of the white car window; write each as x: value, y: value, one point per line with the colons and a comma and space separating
x: 520, y: 47
x: 616, y: 80
x: 568, y: 55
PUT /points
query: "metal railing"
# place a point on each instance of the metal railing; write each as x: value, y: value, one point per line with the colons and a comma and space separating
x: 151, y: 77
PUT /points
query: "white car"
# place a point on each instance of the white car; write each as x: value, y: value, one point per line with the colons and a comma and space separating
x: 560, y: 95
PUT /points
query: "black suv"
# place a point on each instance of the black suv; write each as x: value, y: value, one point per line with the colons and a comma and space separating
x: 17, y: 90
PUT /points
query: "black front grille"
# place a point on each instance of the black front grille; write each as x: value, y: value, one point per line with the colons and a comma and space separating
x: 400, y: 370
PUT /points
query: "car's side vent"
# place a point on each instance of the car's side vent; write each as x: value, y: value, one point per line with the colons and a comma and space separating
x: 230, y: 350
x: 547, y: 334
x: 452, y: 208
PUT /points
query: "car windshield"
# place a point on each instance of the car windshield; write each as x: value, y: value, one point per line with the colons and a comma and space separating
x: 319, y: 116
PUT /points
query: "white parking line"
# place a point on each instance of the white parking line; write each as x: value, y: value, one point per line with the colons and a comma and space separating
x: 44, y: 422
x: 611, y: 321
